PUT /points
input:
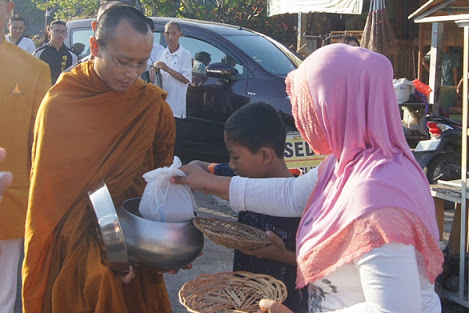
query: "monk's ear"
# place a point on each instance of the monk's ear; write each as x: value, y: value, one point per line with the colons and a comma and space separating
x: 94, y: 46
x: 94, y: 25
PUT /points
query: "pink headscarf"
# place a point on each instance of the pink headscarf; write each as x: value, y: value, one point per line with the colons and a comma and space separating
x: 344, y: 105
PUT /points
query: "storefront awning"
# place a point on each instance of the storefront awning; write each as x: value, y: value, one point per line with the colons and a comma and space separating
x: 434, y: 11
x: 275, y: 7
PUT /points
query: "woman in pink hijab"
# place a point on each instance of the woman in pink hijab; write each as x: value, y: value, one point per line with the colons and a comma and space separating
x: 368, y: 238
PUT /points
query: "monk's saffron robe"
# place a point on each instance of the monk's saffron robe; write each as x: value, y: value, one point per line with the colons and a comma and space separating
x: 85, y: 133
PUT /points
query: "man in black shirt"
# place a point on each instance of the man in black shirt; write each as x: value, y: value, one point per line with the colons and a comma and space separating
x: 55, y: 53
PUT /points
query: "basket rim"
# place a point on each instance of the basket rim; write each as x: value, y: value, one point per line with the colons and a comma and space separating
x: 232, y: 234
x: 211, y: 292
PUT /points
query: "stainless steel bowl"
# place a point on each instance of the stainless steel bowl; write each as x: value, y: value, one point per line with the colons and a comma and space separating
x: 146, y: 243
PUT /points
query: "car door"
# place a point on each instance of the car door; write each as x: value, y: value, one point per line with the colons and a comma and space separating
x: 210, y: 101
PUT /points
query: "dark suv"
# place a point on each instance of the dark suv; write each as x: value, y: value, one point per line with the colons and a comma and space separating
x: 245, y: 67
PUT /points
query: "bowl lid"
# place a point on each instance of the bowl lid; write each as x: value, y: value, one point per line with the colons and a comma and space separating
x: 111, y: 230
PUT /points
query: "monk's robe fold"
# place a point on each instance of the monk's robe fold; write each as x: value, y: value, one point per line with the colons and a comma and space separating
x: 86, y: 133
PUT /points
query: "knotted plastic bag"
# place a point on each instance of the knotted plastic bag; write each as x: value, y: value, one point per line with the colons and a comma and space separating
x: 165, y: 202
x: 403, y: 89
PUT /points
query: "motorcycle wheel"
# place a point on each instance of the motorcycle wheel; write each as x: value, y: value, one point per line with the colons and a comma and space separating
x: 443, y: 167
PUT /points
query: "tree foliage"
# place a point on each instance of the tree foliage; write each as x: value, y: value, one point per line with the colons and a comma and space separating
x: 68, y: 9
x: 246, y: 13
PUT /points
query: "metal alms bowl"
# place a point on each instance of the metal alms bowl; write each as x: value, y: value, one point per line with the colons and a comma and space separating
x: 138, y: 241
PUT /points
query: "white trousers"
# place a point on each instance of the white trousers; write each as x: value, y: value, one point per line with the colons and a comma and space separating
x: 10, y: 251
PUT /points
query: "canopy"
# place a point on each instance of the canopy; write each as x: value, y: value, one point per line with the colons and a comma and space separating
x: 275, y: 7
x: 441, y: 11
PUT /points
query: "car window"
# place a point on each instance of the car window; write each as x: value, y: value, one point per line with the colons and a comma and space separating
x: 265, y: 53
x: 157, y: 37
x: 81, y: 35
x: 196, y: 46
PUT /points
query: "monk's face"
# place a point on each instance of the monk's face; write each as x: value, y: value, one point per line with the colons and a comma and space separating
x: 121, y: 60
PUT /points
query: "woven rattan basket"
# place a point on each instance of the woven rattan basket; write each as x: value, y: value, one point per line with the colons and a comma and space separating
x: 232, y: 234
x: 230, y: 292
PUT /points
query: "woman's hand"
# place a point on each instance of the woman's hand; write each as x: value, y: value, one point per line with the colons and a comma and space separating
x: 276, y: 251
x: 271, y: 306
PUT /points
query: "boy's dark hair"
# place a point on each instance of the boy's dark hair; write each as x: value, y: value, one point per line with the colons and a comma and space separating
x: 16, y: 17
x: 257, y: 125
x: 109, y: 20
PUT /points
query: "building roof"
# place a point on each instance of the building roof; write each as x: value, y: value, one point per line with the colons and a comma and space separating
x: 441, y: 11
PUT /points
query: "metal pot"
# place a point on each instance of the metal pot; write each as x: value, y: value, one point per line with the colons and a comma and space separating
x: 129, y: 238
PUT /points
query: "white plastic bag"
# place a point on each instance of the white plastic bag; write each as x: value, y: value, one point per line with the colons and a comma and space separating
x: 165, y: 202
x: 403, y: 88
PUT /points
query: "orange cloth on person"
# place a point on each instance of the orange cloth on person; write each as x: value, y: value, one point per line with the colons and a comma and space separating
x: 24, y: 82
x: 85, y: 133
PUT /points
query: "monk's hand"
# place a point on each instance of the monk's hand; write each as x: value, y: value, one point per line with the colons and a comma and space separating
x: 271, y: 306
x: 196, y: 178
x: 127, y: 276
x: 5, y: 177
x: 276, y: 251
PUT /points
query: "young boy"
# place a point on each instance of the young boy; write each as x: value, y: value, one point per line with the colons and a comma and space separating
x: 255, y: 137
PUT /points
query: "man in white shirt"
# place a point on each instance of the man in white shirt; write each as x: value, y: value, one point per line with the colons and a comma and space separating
x: 16, y: 27
x: 175, y: 64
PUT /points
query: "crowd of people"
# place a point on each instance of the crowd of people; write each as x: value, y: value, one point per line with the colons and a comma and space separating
x: 356, y: 234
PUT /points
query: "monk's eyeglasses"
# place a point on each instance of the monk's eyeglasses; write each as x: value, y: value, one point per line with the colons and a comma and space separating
x: 124, y: 66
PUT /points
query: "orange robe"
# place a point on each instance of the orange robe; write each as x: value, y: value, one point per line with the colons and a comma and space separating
x: 24, y: 80
x: 86, y: 133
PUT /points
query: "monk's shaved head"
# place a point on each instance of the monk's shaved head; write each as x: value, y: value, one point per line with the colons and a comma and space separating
x: 112, y: 17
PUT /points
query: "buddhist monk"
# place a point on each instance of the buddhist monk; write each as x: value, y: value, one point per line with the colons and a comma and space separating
x: 99, y: 122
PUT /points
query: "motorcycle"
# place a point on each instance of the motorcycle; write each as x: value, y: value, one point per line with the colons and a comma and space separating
x: 440, y: 156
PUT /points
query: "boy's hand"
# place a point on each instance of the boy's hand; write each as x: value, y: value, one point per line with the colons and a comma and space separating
x: 199, y: 179
x: 277, y: 251
x: 196, y: 177
x: 271, y: 306
x: 202, y: 164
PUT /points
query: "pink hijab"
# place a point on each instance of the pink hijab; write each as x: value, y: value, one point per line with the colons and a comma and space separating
x: 344, y: 105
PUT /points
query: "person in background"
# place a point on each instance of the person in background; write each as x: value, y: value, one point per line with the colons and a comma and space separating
x: 55, y: 52
x: 368, y: 238
x: 16, y: 28
x: 230, y: 61
x: 201, y: 60
x: 255, y: 138
x: 175, y: 64
x: 24, y: 82
x: 350, y: 40
x: 100, y: 122
x: 450, y: 63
